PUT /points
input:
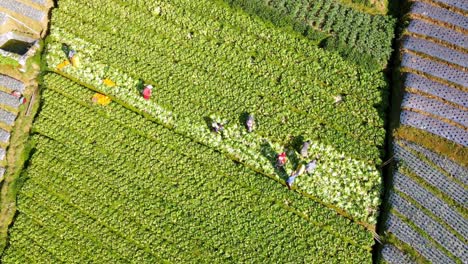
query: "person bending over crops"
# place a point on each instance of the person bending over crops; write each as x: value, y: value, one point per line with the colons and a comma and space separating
x: 217, y: 127
x: 298, y: 172
x: 146, y: 92
x: 250, y: 123
x: 281, y: 160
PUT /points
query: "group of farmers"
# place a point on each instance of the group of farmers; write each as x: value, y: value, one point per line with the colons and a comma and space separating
x: 218, y: 127
x: 281, y: 158
x: 302, y: 168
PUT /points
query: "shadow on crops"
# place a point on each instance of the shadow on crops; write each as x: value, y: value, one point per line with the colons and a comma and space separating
x: 243, y: 119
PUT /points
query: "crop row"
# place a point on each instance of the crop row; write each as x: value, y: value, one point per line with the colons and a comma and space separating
x: 408, y: 235
x: 435, y: 107
x: 363, y: 34
x: 434, y: 126
x: 436, y: 89
x: 439, y: 14
x: 7, y: 117
x: 430, y: 175
x: 440, y: 33
x: 436, y: 50
x: 431, y: 202
x: 9, y: 100
x: 435, y: 69
x: 313, y: 94
x: 353, y: 193
x: 435, y: 230
x: 455, y: 170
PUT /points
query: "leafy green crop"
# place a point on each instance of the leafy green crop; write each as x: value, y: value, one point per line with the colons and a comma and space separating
x: 214, y: 62
x: 362, y: 38
x: 104, y: 187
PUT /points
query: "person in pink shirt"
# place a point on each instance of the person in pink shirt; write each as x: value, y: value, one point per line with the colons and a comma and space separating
x: 146, y: 92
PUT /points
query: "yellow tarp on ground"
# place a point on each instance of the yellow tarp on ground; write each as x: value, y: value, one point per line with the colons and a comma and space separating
x: 108, y: 82
x: 101, y: 99
x: 63, y: 65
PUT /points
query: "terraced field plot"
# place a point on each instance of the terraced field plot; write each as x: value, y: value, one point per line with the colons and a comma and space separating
x: 134, y: 191
x: 149, y: 181
x: 428, y: 200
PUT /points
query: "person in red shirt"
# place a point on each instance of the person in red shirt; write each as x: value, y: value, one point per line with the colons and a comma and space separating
x: 147, y: 92
x: 281, y: 160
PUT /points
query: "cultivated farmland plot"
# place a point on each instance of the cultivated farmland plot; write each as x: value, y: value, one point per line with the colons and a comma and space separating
x: 431, y: 175
x: 439, y: 14
x: 434, y: 204
x: 408, y: 235
x: 288, y: 86
x: 436, y: 50
x: 433, y: 88
x: 443, y: 34
x: 77, y: 201
x: 435, y: 107
x: 435, y: 230
x: 456, y: 170
x: 434, y: 126
x: 150, y: 179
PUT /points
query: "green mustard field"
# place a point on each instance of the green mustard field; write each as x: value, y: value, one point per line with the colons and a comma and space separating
x: 115, y: 177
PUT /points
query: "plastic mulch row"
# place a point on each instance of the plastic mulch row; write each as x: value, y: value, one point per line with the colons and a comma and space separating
x: 437, y: 89
x: 434, y: 126
x: 444, y: 34
x: 408, y: 235
x: 436, y: 50
x: 431, y: 202
x: 440, y: 14
x: 436, y: 108
x: 435, y: 69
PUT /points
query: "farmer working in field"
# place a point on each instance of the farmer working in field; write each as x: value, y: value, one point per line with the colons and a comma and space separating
x: 299, y: 171
x: 146, y: 92
x: 281, y: 160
